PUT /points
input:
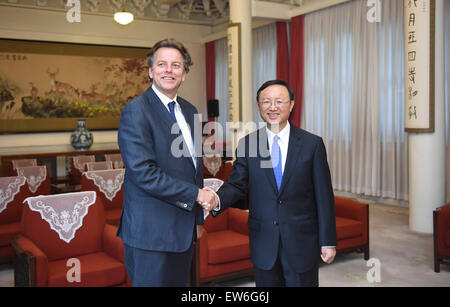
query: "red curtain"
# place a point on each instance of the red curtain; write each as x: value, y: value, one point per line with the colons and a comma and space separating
x: 296, y: 68
x: 282, y: 52
x: 210, y: 73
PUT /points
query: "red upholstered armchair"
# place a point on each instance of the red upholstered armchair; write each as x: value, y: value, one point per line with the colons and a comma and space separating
x: 441, y: 235
x: 13, y: 190
x: 38, y: 179
x: 213, y: 167
x: 98, y: 166
x: 352, y: 226
x: 77, y: 167
x: 71, y: 226
x: 223, y: 251
x: 116, y: 160
x: 22, y: 163
x: 109, y: 187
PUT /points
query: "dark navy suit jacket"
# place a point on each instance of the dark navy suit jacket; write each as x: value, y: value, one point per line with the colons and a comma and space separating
x: 301, y: 214
x: 160, y: 189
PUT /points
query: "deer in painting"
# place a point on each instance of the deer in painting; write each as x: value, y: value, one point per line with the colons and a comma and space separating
x: 93, y: 96
x: 58, y: 87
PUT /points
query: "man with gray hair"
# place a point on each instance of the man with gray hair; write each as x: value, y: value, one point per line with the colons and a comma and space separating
x: 163, y: 193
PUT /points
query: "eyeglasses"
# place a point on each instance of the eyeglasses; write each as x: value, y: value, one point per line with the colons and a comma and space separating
x: 278, y: 102
x: 164, y: 65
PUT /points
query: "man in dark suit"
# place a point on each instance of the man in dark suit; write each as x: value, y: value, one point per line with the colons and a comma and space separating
x: 163, y: 176
x: 291, y: 201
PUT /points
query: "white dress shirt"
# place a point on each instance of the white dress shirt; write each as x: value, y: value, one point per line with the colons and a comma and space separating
x: 283, y: 142
x: 184, y: 127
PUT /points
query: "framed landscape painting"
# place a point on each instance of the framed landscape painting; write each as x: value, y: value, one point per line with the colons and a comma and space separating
x: 46, y: 86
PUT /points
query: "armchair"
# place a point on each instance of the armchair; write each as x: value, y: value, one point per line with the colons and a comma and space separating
x: 109, y: 187
x: 38, y: 179
x: 22, y: 163
x: 352, y: 226
x: 77, y: 167
x: 441, y: 236
x: 13, y: 190
x: 116, y: 159
x: 98, y: 166
x: 58, y: 228
x: 223, y: 250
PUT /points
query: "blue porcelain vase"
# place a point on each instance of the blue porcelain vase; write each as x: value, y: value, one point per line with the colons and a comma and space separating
x: 81, y: 138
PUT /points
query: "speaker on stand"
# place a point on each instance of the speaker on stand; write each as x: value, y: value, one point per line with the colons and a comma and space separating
x: 213, y: 108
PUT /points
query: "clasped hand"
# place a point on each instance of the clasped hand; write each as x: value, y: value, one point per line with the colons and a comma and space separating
x: 207, y: 199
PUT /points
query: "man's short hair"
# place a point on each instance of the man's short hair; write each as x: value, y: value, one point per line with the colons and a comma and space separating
x: 170, y: 43
x: 275, y: 82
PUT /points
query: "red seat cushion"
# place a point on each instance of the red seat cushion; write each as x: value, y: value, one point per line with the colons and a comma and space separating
x: 7, y: 233
x: 97, y: 269
x: 447, y: 238
x: 226, y: 246
x: 347, y: 228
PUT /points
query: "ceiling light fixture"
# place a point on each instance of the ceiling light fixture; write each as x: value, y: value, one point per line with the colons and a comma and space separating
x: 123, y: 17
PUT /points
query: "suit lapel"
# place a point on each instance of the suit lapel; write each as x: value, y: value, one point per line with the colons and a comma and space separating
x: 292, y: 156
x: 158, y: 106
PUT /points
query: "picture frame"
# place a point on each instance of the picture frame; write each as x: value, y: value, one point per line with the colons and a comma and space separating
x: 419, y: 19
x: 48, y: 86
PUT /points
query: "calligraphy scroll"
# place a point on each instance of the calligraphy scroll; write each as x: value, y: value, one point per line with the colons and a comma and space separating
x: 419, y: 18
x: 234, y: 72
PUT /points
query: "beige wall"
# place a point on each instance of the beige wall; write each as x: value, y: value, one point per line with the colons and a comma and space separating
x: 28, y: 24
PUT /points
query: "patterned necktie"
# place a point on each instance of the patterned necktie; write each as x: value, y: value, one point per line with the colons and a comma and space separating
x: 172, y: 110
x: 276, y: 161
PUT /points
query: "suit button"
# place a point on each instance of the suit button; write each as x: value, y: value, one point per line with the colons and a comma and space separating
x: 185, y: 205
x: 280, y: 202
x: 275, y: 223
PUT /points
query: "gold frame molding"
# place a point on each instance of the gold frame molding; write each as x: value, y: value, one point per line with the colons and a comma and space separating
x: 58, y: 48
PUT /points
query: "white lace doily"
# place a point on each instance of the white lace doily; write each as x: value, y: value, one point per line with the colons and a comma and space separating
x: 80, y: 161
x: 212, y: 183
x: 109, y: 182
x: 23, y: 163
x: 35, y: 175
x: 212, y: 163
x: 9, y: 187
x: 63, y: 212
x: 99, y: 166
x: 116, y: 159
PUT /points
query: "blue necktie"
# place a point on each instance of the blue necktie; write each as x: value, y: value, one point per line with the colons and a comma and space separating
x: 172, y: 110
x: 276, y: 161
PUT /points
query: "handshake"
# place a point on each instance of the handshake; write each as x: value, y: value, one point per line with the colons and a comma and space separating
x: 208, y: 199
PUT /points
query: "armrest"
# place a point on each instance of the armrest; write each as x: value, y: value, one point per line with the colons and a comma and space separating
x: 348, y: 208
x: 201, y: 254
x: 31, y: 263
x: 238, y: 220
x: 112, y: 244
x: 441, y: 224
x: 444, y: 217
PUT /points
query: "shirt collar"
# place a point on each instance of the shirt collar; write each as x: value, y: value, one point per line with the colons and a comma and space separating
x: 164, y: 99
x: 283, y: 134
